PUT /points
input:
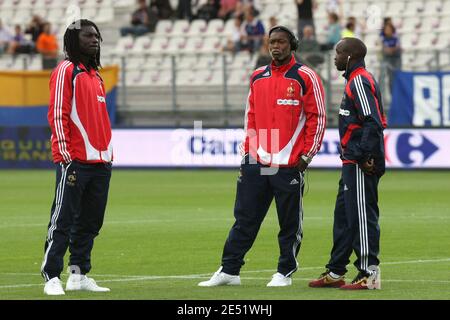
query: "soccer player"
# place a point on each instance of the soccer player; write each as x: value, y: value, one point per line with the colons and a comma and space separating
x: 284, y: 123
x: 361, y: 125
x: 82, y: 150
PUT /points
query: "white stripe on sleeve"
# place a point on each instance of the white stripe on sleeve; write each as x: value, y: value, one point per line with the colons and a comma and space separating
x: 320, y: 108
x: 362, y: 95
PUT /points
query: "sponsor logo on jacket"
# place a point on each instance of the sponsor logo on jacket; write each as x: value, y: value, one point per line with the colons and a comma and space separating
x: 288, y: 102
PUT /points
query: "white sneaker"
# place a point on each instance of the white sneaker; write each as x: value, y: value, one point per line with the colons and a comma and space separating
x: 53, y: 287
x: 77, y: 282
x: 221, y: 279
x: 279, y: 280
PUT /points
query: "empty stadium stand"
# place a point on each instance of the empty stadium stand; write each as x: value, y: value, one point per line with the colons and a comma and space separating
x: 191, y: 54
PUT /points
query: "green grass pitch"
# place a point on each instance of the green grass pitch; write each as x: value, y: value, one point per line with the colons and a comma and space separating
x: 164, y: 232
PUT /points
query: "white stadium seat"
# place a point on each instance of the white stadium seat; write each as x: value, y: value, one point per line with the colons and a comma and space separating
x: 192, y: 44
x: 206, y: 61
x: 211, y: 45
x: 427, y: 40
x: 105, y: 14
x: 429, y: 24
x: 180, y: 27
x: 413, y: 8
x: 410, y: 24
x: 409, y: 41
x: 158, y: 45
x: 141, y: 45
x: 135, y: 62
x: 214, y: 79
x: 444, y: 24
x: 124, y: 45
x: 200, y: 78
x: 445, y: 10
x: 162, y: 78
x: 89, y: 13
x: 176, y: 45
x: 187, y: 62
x: 215, y: 27
x: 238, y: 78
x: 197, y: 28
x: 443, y: 40
x: 163, y: 27
x: 432, y: 8
x: 146, y: 78
x: 396, y: 8
x: 372, y: 41
x: 185, y: 77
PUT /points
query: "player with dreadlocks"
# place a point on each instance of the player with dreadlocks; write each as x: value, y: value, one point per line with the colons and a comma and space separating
x: 80, y: 45
x: 82, y: 152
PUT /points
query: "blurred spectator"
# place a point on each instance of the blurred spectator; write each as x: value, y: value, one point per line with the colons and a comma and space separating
x: 207, y: 11
x: 227, y: 8
x: 239, y: 12
x: 161, y: 8
x: 333, y: 32
x: 253, y: 32
x: 47, y: 46
x: 349, y: 31
x: 272, y: 22
x: 309, y: 49
x: 143, y: 20
x: 386, y: 21
x: 391, y: 51
x: 234, y: 43
x: 253, y: 4
x: 305, y: 15
x: 264, y: 57
x: 5, y: 38
x: 354, y: 28
x: 19, y: 44
x: 35, y: 27
x: 184, y: 10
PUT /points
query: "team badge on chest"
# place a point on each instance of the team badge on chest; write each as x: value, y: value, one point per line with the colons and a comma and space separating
x: 290, y: 91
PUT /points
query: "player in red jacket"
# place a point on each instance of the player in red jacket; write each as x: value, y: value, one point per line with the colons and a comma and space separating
x: 82, y: 150
x: 284, y: 123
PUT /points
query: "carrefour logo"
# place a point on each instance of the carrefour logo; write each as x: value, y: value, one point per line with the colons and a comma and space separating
x: 409, y: 145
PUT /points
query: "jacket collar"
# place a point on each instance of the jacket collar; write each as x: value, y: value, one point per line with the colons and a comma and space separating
x: 356, y: 66
x: 83, y: 67
x: 284, y: 67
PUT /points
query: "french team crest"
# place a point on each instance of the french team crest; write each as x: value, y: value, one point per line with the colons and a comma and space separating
x: 290, y: 91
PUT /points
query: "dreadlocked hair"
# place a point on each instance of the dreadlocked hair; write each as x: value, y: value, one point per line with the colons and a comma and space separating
x: 72, y: 43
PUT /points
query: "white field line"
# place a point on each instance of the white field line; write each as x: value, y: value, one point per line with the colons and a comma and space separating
x: 243, y: 272
x: 26, y: 225
x: 5, y: 225
x: 207, y: 277
x: 123, y: 278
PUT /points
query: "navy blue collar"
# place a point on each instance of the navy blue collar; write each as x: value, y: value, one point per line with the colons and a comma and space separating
x: 359, y: 64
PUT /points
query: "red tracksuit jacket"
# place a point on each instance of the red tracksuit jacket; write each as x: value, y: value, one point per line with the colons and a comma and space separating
x: 285, y: 114
x: 78, y: 116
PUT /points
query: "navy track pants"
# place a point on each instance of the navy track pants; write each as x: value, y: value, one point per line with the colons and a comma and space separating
x: 255, y: 192
x: 356, y: 225
x: 76, y: 216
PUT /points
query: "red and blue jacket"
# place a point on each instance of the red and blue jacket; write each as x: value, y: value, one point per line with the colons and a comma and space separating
x: 361, y: 119
x: 285, y: 114
x: 77, y: 115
